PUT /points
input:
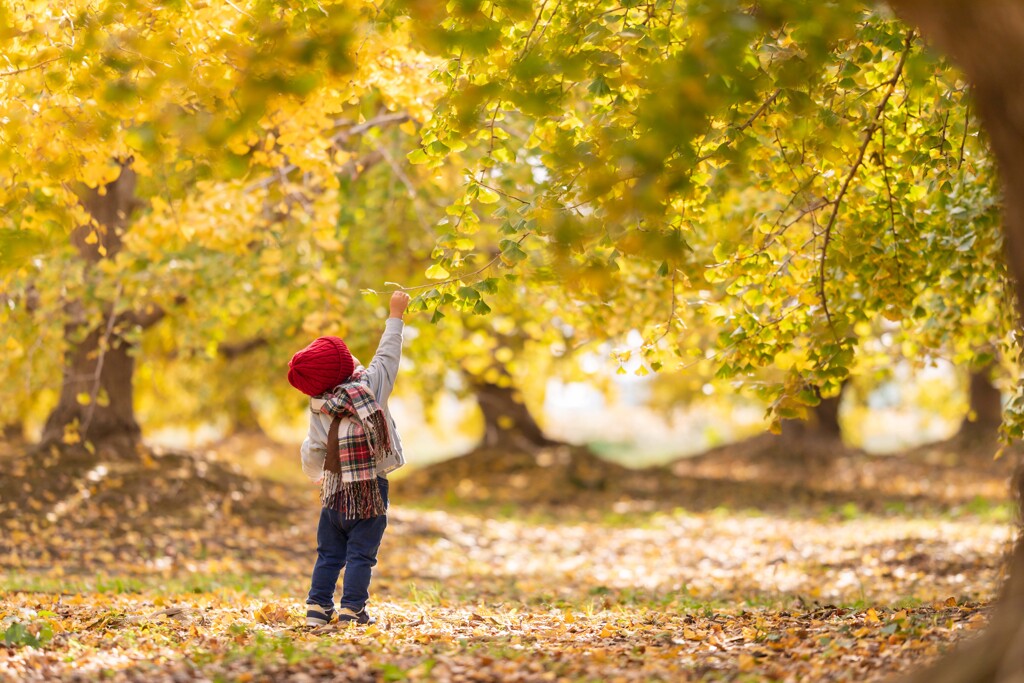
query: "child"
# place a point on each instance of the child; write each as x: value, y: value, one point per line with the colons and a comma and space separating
x: 351, y: 446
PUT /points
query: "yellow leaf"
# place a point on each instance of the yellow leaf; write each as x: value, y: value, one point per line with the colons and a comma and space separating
x: 487, y: 196
x: 437, y: 272
x: 271, y: 613
x: 71, y: 435
x: 747, y: 662
x: 871, y: 616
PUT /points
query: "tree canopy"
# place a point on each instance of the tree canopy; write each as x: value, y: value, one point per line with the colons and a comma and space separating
x: 755, y: 187
x: 796, y: 175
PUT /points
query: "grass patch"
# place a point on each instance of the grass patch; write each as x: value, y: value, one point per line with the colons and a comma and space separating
x: 105, y: 584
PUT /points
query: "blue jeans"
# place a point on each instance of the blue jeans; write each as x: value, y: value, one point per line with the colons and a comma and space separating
x: 349, y: 544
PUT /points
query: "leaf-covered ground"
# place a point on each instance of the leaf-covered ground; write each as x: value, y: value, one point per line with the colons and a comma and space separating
x: 173, y: 576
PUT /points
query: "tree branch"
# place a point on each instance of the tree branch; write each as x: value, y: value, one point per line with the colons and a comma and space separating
x: 464, y: 276
x: 892, y: 210
x: 743, y: 126
x: 232, y: 351
x: 963, y: 140
x: 343, y: 136
x: 868, y: 135
x: 15, y: 72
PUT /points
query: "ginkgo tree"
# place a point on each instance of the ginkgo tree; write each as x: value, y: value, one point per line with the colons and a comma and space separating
x: 181, y: 163
x: 717, y: 147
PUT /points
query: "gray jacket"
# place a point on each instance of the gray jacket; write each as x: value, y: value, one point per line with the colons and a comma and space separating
x: 381, y: 374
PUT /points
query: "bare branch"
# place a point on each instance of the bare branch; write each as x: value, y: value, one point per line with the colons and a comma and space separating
x: 15, y: 72
x: 232, y: 351
x: 348, y: 130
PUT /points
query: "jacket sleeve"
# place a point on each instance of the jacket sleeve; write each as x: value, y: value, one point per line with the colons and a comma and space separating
x: 383, y: 369
x: 313, y: 452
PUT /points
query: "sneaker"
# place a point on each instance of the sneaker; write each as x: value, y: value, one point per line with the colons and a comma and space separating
x: 319, y: 616
x: 346, y: 614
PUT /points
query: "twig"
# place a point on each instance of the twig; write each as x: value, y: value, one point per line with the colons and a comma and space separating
x: 892, y: 210
x: 529, y: 35
x: 743, y: 126
x: 760, y: 110
x: 239, y: 9
x: 340, y: 137
x: 503, y: 193
x: 401, y: 175
x: 868, y: 135
x: 460, y: 277
x: 671, y: 313
x: 963, y: 140
x: 15, y: 72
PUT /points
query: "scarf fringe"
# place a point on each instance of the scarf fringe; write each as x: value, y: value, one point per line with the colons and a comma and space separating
x: 352, y: 499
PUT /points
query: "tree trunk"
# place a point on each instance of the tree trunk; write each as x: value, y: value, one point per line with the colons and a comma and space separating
x: 105, y: 377
x: 95, y: 404
x: 823, y: 422
x: 13, y: 431
x: 986, y: 39
x: 507, y: 420
x: 986, y: 408
x: 242, y: 415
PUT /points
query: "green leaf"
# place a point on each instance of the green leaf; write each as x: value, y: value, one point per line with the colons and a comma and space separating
x: 722, y: 252
x: 481, y: 308
x: 417, y: 304
x: 437, y: 316
x: 417, y: 156
x: 438, y: 148
x: 599, y: 87
x: 488, y: 286
x: 511, y: 251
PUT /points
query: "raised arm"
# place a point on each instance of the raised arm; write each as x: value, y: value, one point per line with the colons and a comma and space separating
x: 383, y: 369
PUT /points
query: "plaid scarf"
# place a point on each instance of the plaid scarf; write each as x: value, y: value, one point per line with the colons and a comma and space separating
x: 350, y: 469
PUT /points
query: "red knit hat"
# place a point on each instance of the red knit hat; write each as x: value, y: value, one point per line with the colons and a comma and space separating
x: 322, y: 365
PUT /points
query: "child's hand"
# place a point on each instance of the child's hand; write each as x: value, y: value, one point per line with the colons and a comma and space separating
x: 399, y: 302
